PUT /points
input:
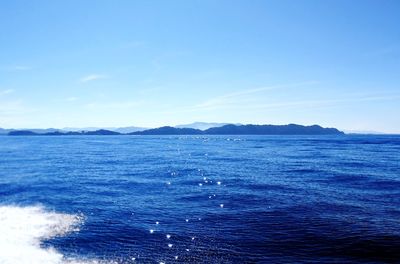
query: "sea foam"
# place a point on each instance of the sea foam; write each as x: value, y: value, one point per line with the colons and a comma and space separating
x: 23, y: 228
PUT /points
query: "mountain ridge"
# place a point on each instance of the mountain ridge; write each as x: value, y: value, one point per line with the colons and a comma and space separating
x: 291, y: 129
x: 230, y: 129
x: 204, y: 125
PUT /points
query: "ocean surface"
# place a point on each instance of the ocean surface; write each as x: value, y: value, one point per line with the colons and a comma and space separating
x: 188, y: 199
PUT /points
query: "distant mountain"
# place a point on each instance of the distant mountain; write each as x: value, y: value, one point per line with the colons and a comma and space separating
x: 80, y: 129
x: 126, y: 130
x: 101, y: 132
x: 36, y: 130
x: 123, y: 130
x: 43, y: 130
x: 61, y: 133
x: 167, y: 130
x: 4, y: 131
x: 291, y: 129
x: 203, y: 125
x: 22, y: 133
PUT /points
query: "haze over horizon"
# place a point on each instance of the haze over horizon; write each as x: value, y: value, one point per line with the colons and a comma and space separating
x: 155, y: 63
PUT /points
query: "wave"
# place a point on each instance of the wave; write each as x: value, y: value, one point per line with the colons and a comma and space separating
x: 23, y: 229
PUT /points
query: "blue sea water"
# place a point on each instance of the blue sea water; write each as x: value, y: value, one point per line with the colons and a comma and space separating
x: 188, y: 199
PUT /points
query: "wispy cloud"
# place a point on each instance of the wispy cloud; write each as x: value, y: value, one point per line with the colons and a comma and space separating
x: 5, y: 92
x: 235, y: 97
x: 71, y: 99
x: 13, y: 68
x: 324, y: 102
x: 92, y: 77
x: 7, y: 107
x: 21, y: 68
x: 13, y: 107
x: 125, y: 105
x: 238, y: 101
x: 15, y: 113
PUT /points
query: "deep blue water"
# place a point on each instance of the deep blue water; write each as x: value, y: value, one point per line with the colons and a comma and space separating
x: 281, y: 199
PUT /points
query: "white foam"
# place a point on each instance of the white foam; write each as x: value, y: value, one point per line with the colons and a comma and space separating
x: 23, y: 228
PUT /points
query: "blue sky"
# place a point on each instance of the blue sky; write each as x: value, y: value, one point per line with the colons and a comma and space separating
x: 152, y: 63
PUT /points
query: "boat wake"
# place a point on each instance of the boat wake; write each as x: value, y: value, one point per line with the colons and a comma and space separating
x: 23, y: 229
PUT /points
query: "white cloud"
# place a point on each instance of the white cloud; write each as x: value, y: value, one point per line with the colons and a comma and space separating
x: 92, y: 77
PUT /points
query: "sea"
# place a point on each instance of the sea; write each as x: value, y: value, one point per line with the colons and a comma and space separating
x: 200, y: 199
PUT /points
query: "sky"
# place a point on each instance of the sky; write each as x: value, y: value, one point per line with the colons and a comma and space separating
x: 152, y: 63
